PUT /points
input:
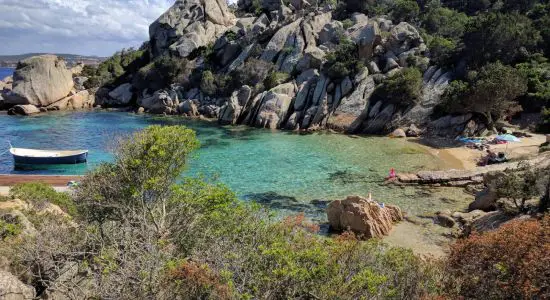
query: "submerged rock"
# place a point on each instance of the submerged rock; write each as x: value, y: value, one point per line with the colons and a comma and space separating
x: 364, y: 217
x: 24, y: 110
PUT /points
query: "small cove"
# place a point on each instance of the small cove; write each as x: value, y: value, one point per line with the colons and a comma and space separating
x: 288, y: 172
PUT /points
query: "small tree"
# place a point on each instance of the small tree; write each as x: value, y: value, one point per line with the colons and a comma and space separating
x: 403, y: 88
x: 518, y: 185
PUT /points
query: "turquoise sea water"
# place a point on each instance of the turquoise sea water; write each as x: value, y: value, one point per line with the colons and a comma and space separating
x: 284, y: 170
x: 5, y: 72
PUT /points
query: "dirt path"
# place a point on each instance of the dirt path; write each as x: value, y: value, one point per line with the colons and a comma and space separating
x: 53, y: 180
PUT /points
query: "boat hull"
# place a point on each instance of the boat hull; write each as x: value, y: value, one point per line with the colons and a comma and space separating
x: 62, y: 160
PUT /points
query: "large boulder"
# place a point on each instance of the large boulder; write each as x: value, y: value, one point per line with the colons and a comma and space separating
x: 188, y: 25
x: 80, y: 100
x: 485, y: 200
x: 122, y: 95
x: 279, y: 40
x: 363, y: 216
x: 403, y: 37
x: 274, y: 106
x: 11, y: 288
x: 366, y: 36
x: 159, y: 103
x: 40, y: 81
x: 353, y: 109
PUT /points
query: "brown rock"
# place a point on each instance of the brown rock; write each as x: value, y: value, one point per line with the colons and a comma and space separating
x: 362, y: 216
x: 11, y: 288
x: 485, y: 200
x: 444, y: 220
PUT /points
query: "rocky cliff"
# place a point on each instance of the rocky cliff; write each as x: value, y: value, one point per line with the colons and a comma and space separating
x: 294, y: 66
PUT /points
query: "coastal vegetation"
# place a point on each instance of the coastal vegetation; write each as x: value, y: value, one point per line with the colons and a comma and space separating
x: 141, y: 231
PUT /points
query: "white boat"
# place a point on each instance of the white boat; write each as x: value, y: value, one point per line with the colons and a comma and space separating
x: 48, y: 157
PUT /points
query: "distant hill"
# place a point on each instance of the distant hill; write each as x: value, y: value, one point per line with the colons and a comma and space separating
x: 11, y: 60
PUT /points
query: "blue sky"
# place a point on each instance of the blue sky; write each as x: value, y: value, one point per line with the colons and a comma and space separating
x: 88, y: 27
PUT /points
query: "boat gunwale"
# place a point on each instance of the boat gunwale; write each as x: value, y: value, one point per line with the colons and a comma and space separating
x: 35, y: 153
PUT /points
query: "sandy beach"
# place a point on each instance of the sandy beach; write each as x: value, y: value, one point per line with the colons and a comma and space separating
x: 456, y: 155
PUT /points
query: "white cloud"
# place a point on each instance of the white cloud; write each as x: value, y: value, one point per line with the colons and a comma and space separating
x: 91, y: 27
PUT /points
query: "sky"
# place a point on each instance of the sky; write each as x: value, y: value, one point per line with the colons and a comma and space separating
x: 86, y: 27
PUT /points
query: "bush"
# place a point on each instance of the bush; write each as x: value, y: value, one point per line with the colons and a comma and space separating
x: 37, y: 193
x: 9, y: 229
x: 405, y: 11
x: 537, y: 72
x: 274, y: 79
x: 494, y: 36
x: 252, y: 72
x: 344, y: 61
x: 442, y: 50
x: 208, y: 85
x: 445, y: 22
x: 163, y: 72
x: 117, y: 69
x: 491, y: 93
x: 403, y: 88
x: 508, y: 263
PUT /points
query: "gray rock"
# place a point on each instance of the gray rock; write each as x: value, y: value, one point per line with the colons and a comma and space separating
x: 398, y: 133
x: 403, y: 37
x: 274, y: 106
x: 122, y: 95
x: 331, y: 33
x: 353, y: 109
x: 385, y: 25
x: 444, y: 220
x: 390, y: 65
x: 413, y: 131
x: 358, y: 18
x: 306, y: 76
x: 188, y: 107
x: 373, y: 67
x: 188, y: 25
x: 11, y: 288
x: 312, y: 28
x: 159, y: 103
x: 230, y: 112
x: 24, y: 110
x: 260, y: 24
x: 313, y: 58
x: 79, y: 82
x: 278, y: 41
x: 346, y: 86
x: 486, y: 200
x: 366, y: 37
x: 40, y: 81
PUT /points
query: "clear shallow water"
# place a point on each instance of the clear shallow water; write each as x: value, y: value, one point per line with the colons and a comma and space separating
x: 5, y: 72
x: 284, y: 170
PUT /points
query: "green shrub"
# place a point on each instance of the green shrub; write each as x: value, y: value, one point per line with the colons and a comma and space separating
x: 403, y: 88
x: 347, y: 23
x: 163, y: 72
x: 253, y: 72
x: 491, y: 92
x: 208, y: 85
x: 274, y: 79
x: 344, y: 61
x: 495, y: 36
x: 117, y: 69
x: 405, y: 11
x: 9, y: 229
x: 37, y: 193
x: 442, y: 50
